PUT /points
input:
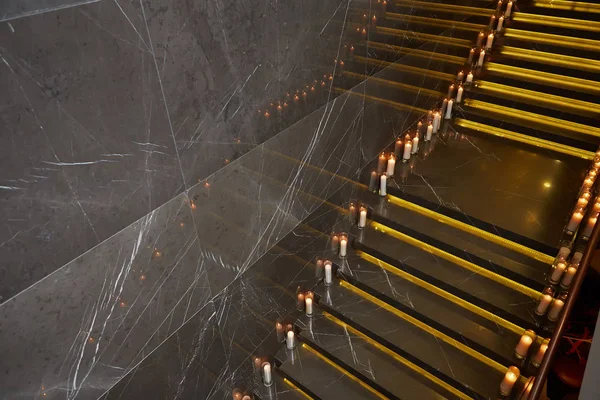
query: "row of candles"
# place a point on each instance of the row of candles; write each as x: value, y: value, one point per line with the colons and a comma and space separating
x: 583, y: 203
x: 524, y: 350
x: 281, y: 105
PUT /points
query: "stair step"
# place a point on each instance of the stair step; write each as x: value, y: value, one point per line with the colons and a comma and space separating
x: 428, y: 55
x: 281, y: 389
x: 553, y: 59
x: 405, y: 68
x: 445, y: 357
x: 568, y: 42
x: 443, y: 7
x: 423, y: 37
x: 441, y: 23
x: 391, y: 374
x: 393, y: 84
x: 579, y: 6
x: 392, y: 104
x: 560, y: 22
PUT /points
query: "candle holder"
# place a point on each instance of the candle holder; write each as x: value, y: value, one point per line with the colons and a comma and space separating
x: 362, y: 218
x: 508, y: 382
x: 556, y: 271
x: 557, y: 306
x: 544, y: 301
x: 522, y: 348
x: 589, y: 225
x: 537, y: 359
x: 575, y: 221
x: 266, y: 374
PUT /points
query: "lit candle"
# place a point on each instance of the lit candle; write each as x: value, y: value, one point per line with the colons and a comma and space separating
x: 362, y: 220
x: 279, y: 331
x: 587, y: 195
x: 576, y: 259
x: 460, y: 76
x: 523, y: 346
x: 508, y: 9
x: 267, y: 378
x: 492, y: 21
x: 459, y: 94
x: 398, y: 147
x: 328, y: 279
x: 450, y: 91
x: 557, y: 272
x: 539, y: 355
x: 449, y: 109
x: 415, y: 144
x: 290, y: 340
x: 587, y: 232
x: 480, y: 39
x: 490, y: 41
x: 582, y: 202
x: 511, y: 376
x: 444, y: 106
x: 344, y: 246
x: 437, y: 120
x: 429, y: 132
x: 300, y: 301
x: 588, y: 182
x: 470, y: 77
x: 381, y: 163
x: 555, y: 309
x: 500, y: 23
x: 568, y: 277
x: 391, y: 166
x: 563, y: 252
x: 407, y: 149
x: 373, y: 181
x: 246, y: 397
x: 419, y: 127
x: 309, y: 307
x: 383, y: 185
x: 575, y: 221
x: 471, y: 56
x: 499, y: 6
x: 352, y: 213
x: 543, y: 304
x: 481, y: 57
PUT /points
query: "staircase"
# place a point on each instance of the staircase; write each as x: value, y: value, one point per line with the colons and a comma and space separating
x: 453, y: 286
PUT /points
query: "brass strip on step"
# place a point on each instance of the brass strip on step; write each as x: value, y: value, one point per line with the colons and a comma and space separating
x: 405, y: 68
x: 544, y: 78
x: 443, y: 23
x: 396, y: 85
x: 559, y: 60
x: 539, y: 98
x: 343, y: 371
x: 519, y: 137
x: 559, y: 125
x: 490, y: 237
x: 558, y: 22
x: 534, y: 294
x: 398, y: 358
x: 442, y: 293
x: 568, y: 5
x: 389, y: 103
x: 556, y: 40
x: 449, y: 8
x: 296, y: 388
x: 429, y: 55
x: 424, y: 327
x: 424, y: 37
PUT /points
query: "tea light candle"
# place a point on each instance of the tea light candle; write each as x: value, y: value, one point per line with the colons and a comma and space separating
x: 290, y: 341
x: 344, y: 246
x: 589, y: 227
x: 500, y: 23
x: 362, y: 219
x: 582, y: 202
x: 460, y: 76
x: 539, y: 355
x: 555, y: 309
x: 437, y: 120
x: 490, y: 41
x: 449, y: 109
x: 451, y: 91
x: 509, y: 380
x: 459, y: 94
x: 568, y: 277
x: 574, y: 221
x: 557, y: 272
x: 415, y: 143
x: 481, y: 58
x: 328, y: 280
x: 381, y: 163
x: 470, y: 77
x: 267, y: 377
x: 429, y: 132
x: 391, y: 165
x: 309, y: 307
x: 523, y: 346
x: 471, y: 56
x: 383, y: 186
x: 407, y: 151
x: 543, y: 304
x: 480, y: 39
x: 373, y: 181
x: 398, y: 147
x: 508, y: 9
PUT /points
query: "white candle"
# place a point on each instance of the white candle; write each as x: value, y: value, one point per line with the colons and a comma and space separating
x: 582, y: 202
x: 290, y: 341
x: 381, y: 163
x: 471, y: 56
x: 459, y: 94
x: 279, y: 331
x: 511, y: 376
x: 267, y: 377
x: 309, y: 306
x: 539, y: 355
x: 577, y: 256
x: 557, y: 272
x: 398, y: 147
x: 523, y: 346
x: 564, y: 252
x: 492, y: 20
x: 407, y: 149
x: 542, y: 306
x: 470, y: 77
x: 437, y: 120
x: 328, y: 274
x: 383, y: 185
x: 451, y: 90
x: 480, y: 39
x: 588, y: 182
x: 429, y: 132
x: 246, y: 397
x: 590, y: 226
x: 481, y: 57
x: 449, y: 109
x: 460, y: 76
x: 415, y: 143
x: 300, y: 301
x: 575, y: 221
x: 500, y: 22
x: 362, y: 220
x: 508, y: 9
x: 391, y: 165
x: 555, y: 309
x: 490, y: 41
x: 344, y: 246
x: 568, y: 277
